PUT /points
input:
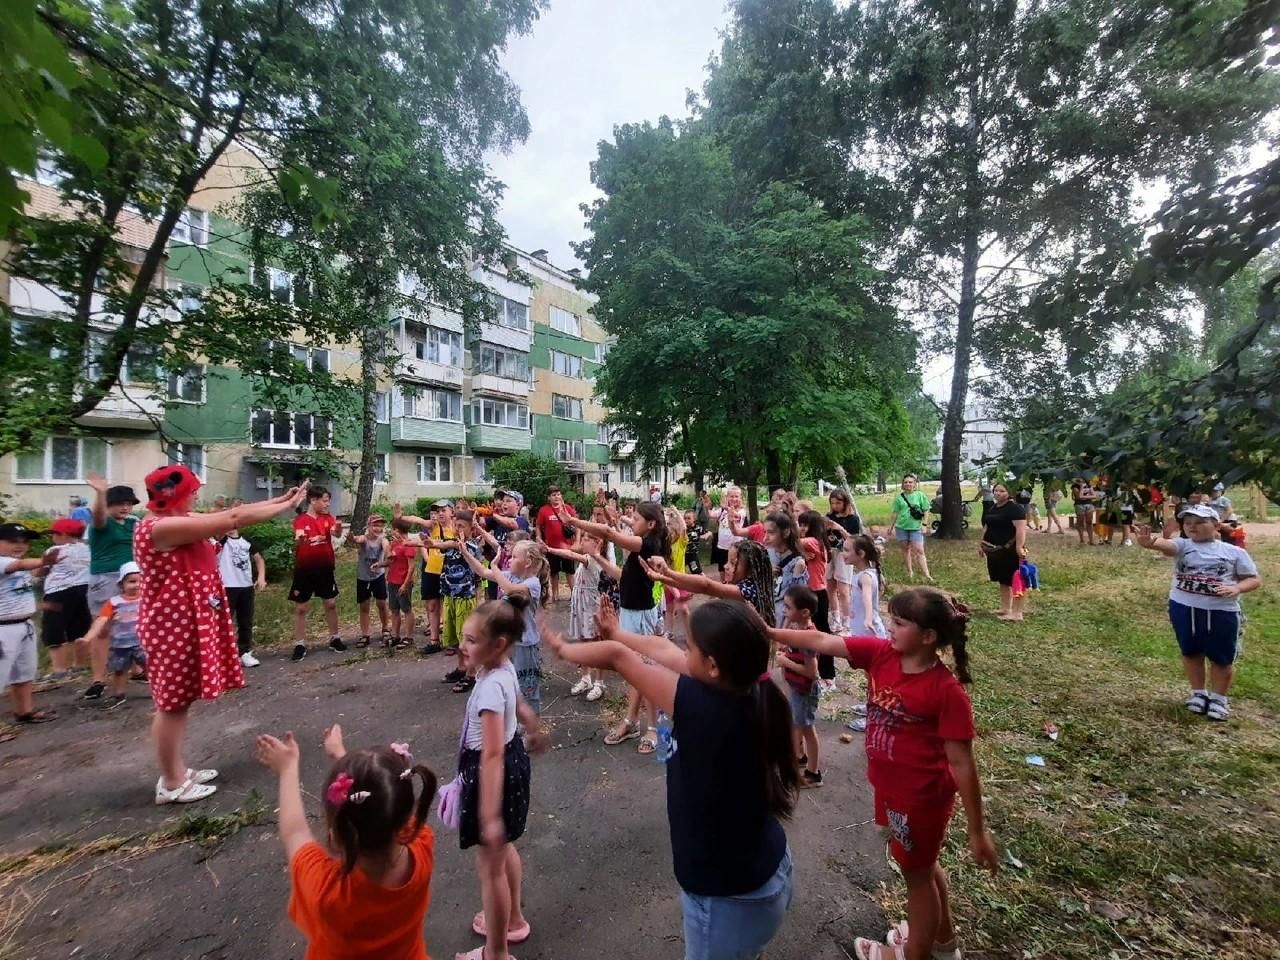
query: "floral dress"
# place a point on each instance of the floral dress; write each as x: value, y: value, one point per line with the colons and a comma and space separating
x: 184, y: 622
x: 585, y: 600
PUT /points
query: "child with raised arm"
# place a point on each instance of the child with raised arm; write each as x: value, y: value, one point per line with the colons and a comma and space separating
x: 731, y: 770
x: 18, y: 654
x: 748, y: 576
x: 457, y: 584
x: 1209, y: 576
x: 800, y: 671
x: 402, y: 556
x: 365, y: 891
x: 919, y: 755
x: 118, y: 619
x: 372, y: 558
x: 585, y: 601
x: 646, y: 538
x: 315, y: 534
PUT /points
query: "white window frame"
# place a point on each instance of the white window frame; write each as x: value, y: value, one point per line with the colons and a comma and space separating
x: 304, y: 354
x: 563, y: 407
x: 566, y: 322
x: 177, y: 452
x: 274, y: 274
x: 382, y: 406
x: 604, y: 434
x: 566, y: 450
x: 503, y: 314
x: 189, y: 298
x: 602, y: 351
x: 627, y: 471
x: 490, y: 357
x: 178, y: 380
x: 382, y: 468
x: 438, y: 340
x: 46, y: 473
x: 128, y: 378
x: 603, y: 474
x: 480, y: 467
x: 414, y: 399
x: 48, y: 173
x: 274, y: 444
x: 566, y: 364
x: 521, y: 413
x: 436, y: 460
x: 192, y: 228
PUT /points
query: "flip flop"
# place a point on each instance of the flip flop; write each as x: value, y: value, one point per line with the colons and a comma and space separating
x: 36, y: 716
x: 519, y: 935
x: 629, y: 732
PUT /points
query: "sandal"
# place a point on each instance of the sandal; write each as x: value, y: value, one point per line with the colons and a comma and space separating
x: 362, y: 643
x: 628, y: 731
x: 477, y: 954
x: 519, y: 935
x: 36, y: 716
x: 897, y: 937
x: 1219, y: 709
x: 1198, y: 702
x: 463, y: 685
x: 187, y: 792
x: 864, y: 949
x: 648, y: 744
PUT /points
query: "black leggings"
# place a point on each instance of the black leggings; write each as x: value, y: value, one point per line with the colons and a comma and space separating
x: 826, y: 663
x: 241, y: 601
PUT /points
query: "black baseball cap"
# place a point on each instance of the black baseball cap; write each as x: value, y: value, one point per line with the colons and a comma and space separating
x: 16, y: 531
x: 121, y: 494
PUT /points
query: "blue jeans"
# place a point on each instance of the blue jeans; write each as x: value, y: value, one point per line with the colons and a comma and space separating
x: 736, y: 928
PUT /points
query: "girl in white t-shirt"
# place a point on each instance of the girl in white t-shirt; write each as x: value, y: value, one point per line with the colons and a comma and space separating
x: 493, y: 766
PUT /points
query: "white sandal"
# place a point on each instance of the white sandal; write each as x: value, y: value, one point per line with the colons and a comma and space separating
x: 202, y: 776
x: 188, y: 792
x: 1219, y: 708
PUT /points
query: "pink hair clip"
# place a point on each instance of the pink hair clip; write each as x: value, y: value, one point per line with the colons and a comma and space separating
x: 403, y: 750
x: 339, y: 791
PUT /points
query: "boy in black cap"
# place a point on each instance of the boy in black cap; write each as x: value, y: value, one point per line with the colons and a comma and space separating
x: 110, y: 548
x: 18, y: 656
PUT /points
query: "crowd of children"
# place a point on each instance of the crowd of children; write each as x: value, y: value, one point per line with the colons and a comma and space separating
x: 731, y: 713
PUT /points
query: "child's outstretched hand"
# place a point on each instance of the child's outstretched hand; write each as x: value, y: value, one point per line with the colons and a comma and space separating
x: 1144, y: 536
x: 606, y: 620
x: 277, y: 755
x: 551, y: 637
x: 657, y: 569
x: 982, y: 846
x: 334, y: 747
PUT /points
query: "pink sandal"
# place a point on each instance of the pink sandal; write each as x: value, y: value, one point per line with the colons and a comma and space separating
x: 519, y: 935
x: 864, y: 949
x: 477, y: 954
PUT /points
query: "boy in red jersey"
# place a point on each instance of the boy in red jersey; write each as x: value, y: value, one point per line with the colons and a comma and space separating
x: 315, y: 533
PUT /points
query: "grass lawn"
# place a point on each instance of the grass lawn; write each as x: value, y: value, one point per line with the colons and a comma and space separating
x: 1148, y: 831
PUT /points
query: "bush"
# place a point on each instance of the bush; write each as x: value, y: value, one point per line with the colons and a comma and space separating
x: 275, y: 540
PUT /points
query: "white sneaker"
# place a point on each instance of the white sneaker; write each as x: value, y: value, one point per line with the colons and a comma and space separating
x: 187, y: 792
x: 249, y: 660
x: 581, y: 687
x: 1128, y: 543
x: 597, y: 691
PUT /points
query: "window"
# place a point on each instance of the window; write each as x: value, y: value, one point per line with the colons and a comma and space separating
x: 566, y: 364
x: 570, y: 451
x: 604, y: 433
x: 439, y: 346
x: 315, y: 359
x: 565, y: 322
x: 190, y: 455
x: 566, y: 408
x: 189, y: 298
x: 187, y: 385
x: 139, y: 365
x: 482, y: 465
x: 280, y: 284
x: 499, y: 413
x: 382, y: 468
x: 627, y: 472
x: 192, y: 227
x: 604, y: 477
x: 509, y: 313
x: 433, y: 469
x: 63, y: 460
x: 602, y: 351
x: 431, y: 404
x: 49, y: 173
x: 503, y: 363
x: 280, y: 428
x: 382, y: 406
x: 655, y: 474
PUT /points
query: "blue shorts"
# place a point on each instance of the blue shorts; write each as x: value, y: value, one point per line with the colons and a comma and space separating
x: 804, y: 706
x: 643, y: 622
x: 908, y: 536
x: 120, y: 659
x: 736, y: 928
x: 1206, y: 633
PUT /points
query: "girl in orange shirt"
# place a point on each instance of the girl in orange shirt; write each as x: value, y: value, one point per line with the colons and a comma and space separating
x: 369, y: 897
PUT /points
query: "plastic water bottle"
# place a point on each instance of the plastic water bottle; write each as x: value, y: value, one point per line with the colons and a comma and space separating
x: 666, y: 745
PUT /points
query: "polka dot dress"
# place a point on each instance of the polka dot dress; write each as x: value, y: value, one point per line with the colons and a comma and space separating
x: 184, y: 623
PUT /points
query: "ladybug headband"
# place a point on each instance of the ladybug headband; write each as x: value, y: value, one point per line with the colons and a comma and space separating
x: 169, y: 485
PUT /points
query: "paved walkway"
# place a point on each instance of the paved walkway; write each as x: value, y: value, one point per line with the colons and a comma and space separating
x: 598, y: 878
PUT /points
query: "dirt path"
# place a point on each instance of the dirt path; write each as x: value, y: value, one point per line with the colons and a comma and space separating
x: 597, y: 856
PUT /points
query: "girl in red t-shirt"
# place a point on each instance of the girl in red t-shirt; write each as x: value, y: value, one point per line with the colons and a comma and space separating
x: 919, y: 755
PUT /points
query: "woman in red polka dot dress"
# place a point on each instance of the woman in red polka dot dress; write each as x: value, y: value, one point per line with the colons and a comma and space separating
x: 183, y: 619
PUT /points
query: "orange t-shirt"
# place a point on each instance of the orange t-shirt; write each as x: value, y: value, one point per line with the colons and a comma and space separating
x: 353, y: 918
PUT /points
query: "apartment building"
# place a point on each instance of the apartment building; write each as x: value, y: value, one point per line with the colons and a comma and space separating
x: 451, y: 401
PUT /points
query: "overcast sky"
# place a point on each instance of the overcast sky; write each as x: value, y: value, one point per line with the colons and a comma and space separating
x: 587, y: 66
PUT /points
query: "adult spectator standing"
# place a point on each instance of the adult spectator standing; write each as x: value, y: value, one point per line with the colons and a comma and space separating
x: 1051, y: 497
x: 1082, y: 499
x: 79, y: 510
x: 910, y: 508
x: 985, y: 495
x: 110, y: 548
x: 1004, y: 545
x: 551, y: 531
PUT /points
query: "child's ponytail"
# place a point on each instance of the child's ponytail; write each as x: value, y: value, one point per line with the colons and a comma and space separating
x: 945, y: 615
x: 422, y: 809
x: 774, y: 737
x: 368, y: 800
x: 864, y: 545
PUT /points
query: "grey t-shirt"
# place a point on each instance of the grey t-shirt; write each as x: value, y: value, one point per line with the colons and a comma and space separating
x: 370, y: 552
x: 1200, y: 567
x: 496, y: 690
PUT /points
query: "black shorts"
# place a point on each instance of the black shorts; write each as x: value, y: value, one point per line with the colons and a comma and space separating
x: 66, y: 615
x: 430, y: 586
x: 719, y: 557
x: 313, y: 583
x: 515, y: 793
x: 400, y: 596
x: 1002, y: 565
x: 560, y: 565
x: 371, y: 589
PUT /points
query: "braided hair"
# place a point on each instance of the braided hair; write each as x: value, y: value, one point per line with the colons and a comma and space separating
x: 759, y: 570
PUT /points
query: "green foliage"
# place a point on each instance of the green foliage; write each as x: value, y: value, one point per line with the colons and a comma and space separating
x: 529, y: 475
x: 275, y: 540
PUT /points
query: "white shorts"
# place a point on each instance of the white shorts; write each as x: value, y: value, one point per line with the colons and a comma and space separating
x: 839, y: 570
x: 643, y: 622
x: 17, y: 653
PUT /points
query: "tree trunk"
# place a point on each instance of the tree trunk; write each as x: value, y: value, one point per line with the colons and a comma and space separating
x: 752, y: 470
x: 691, y: 458
x: 882, y: 483
x: 370, y: 351
x: 793, y: 474
x: 772, y: 469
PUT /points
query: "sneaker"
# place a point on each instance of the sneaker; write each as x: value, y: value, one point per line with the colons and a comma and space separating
x: 810, y: 778
x: 857, y: 725
x: 596, y: 692
x: 581, y: 687
x: 859, y: 709
x: 97, y: 689
x: 249, y: 660
x: 336, y: 644
x: 1128, y: 543
x: 187, y: 792
x: 299, y: 651
x: 116, y: 700
x: 453, y: 676
x: 427, y: 649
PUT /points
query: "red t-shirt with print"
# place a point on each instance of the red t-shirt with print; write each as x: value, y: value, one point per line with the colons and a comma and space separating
x: 909, y: 717
x: 551, y: 528
x: 310, y: 556
x: 402, y: 554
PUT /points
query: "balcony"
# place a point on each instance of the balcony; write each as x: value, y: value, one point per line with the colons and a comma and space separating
x: 136, y: 411
x: 509, y: 337
x: 482, y: 437
x: 419, y: 432
x: 506, y: 386
x: 410, y: 367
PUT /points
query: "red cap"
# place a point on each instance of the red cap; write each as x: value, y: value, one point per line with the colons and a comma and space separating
x: 169, y: 485
x: 68, y: 527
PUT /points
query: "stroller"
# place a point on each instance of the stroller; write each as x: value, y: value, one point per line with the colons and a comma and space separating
x: 935, y: 508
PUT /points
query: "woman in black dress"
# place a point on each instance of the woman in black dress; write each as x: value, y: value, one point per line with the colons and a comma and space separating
x: 1004, y: 544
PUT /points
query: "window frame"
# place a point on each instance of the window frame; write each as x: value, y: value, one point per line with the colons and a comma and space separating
x: 312, y: 421
x: 502, y: 312
x: 437, y: 337
x: 382, y: 406
x: 191, y: 228
x: 414, y: 397
x: 571, y: 327
x: 477, y: 413
x: 382, y: 468
x: 181, y: 379
x: 624, y: 468
x: 563, y: 401
x: 183, y: 456
x: 420, y: 460
x: 570, y: 360
x: 569, y: 450
x: 46, y: 474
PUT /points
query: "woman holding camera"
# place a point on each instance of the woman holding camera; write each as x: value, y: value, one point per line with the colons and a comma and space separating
x: 910, y: 508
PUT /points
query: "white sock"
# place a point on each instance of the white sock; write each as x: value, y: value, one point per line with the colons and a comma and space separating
x: 1218, y: 697
x: 1200, y: 693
